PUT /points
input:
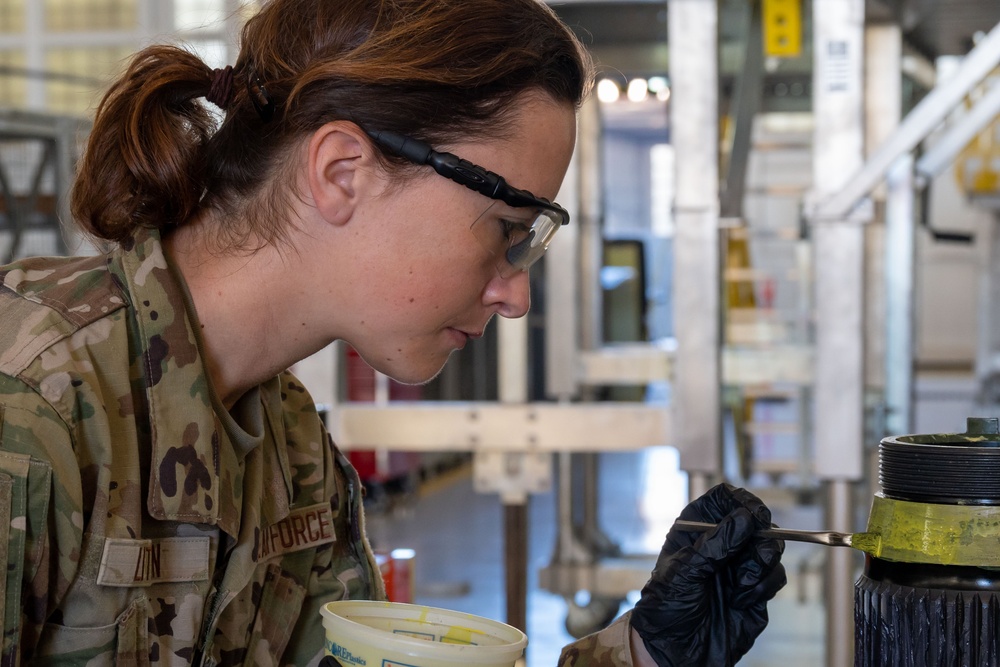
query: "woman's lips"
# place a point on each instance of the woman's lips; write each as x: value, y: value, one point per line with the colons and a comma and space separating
x: 461, y: 336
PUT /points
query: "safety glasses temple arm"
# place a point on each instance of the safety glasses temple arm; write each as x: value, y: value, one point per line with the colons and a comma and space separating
x: 462, y: 171
x: 405, y: 147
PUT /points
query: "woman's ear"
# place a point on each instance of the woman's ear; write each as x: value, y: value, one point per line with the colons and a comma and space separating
x: 339, y: 165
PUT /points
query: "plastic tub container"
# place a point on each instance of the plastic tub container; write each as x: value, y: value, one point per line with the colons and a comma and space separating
x: 392, y: 634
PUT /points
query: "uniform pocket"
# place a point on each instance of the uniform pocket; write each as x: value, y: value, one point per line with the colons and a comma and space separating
x: 124, y: 643
x: 25, y: 487
x: 280, y: 603
x: 12, y: 550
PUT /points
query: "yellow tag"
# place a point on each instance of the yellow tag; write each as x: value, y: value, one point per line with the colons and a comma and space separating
x: 782, y: 28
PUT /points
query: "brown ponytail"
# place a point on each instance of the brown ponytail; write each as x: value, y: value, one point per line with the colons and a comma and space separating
x: 437, y: 70
x: 144, y: 159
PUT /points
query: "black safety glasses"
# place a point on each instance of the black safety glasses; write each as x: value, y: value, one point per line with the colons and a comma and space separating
x: 520, y: 243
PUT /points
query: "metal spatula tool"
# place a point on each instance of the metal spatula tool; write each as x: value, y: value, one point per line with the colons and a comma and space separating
x: 867, y: 542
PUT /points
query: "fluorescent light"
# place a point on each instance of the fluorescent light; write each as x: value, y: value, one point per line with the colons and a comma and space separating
x: 638, y: 89
x: 607, y: 90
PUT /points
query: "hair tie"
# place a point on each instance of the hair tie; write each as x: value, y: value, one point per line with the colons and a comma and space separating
x: 260, y: 98
x: 221, y: 90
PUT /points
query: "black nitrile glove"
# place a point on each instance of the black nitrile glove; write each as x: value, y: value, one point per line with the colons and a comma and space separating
x: 329, y: 661
x: 706, y: 600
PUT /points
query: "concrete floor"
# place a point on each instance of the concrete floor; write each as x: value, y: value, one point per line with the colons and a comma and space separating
x: 457, y: 536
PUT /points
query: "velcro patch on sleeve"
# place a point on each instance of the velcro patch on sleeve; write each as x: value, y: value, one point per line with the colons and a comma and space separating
x: 148, y: 562
x: 303, y: 528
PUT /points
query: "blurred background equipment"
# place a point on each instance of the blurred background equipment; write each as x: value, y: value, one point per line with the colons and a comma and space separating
x: 38, y: 154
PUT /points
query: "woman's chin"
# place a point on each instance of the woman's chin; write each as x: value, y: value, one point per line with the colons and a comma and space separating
x: 413, y: 374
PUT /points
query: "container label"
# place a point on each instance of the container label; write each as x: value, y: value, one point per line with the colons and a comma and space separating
x: 343, y: 655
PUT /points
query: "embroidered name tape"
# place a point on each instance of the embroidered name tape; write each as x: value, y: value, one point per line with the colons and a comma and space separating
x: 303, y: 528
x: 148, y: 562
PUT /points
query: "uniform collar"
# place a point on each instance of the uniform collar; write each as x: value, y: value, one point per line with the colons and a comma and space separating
x: 197, y: 447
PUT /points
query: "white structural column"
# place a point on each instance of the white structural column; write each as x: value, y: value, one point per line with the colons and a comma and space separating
x: 839, y: 251
x: 900, y: 278
x: 512, y: 367
x: 562, y: 271
x: 883, y: 104
x: 988, y: 326
x: 591, y: 238
x: 693, y: 42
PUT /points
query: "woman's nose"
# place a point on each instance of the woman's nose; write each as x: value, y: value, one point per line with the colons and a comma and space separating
x: 510, y: 296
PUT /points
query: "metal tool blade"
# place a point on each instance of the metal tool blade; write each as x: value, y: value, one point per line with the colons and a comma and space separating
x: 828, y: 537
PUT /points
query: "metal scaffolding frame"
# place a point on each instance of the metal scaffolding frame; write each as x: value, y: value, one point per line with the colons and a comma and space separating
x: 36, y: 173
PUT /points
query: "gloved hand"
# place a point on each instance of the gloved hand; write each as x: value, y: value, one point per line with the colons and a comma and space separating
x: 329, y: 661
x: 706, y: 600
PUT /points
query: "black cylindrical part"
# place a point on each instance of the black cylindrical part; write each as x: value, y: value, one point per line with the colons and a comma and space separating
x: 940, y: 616
x: 932, y: 615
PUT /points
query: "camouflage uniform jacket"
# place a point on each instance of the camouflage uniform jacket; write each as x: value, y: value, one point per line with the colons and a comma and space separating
x: 607, y: 648
x: 140, y: 521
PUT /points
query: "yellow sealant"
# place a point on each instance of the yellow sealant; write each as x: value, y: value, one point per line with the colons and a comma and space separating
x: 459, y: 635
x: 912, y: 532
x: 870, y: 543
x: 456, y: 634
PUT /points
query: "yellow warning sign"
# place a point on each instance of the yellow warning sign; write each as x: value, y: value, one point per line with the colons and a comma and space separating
x: 782, y: 28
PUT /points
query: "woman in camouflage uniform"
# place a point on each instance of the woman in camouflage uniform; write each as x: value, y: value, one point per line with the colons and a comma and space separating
x: 168, y: 494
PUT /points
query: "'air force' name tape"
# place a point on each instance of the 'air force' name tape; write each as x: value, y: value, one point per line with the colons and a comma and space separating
x: 303, y: 528
x: 181, y: 559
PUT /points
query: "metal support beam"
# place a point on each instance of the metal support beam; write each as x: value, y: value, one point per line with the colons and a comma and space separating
x: 512, y: 368
x: 900, y: 277
x: 534, y: 427
x: 693, y: 41
x: 946, y: 148
x: 562, y: 278
x: 920, y: 122
x: 839, y: 249
x: 838, y: 246
x: 839, y: 590
x: 626, y: 364
x: 591, y: 249
x: 883, y: 107
x: 745, y: 104
x: 512, y: 362
x: 65, y: 168
x: 766, y: 365
x: 515, y: 521
x: 988, y: 326
x: 59, y: 137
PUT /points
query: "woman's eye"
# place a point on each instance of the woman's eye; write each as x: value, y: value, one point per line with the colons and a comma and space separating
x: 513, y: 230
